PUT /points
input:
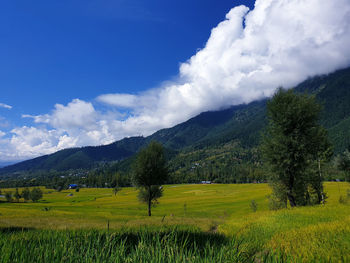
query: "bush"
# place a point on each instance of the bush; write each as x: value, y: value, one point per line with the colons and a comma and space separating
x: 17, y: 195
x: 275, y: 203
x: 8, y: 196
x: 253, y: 205
x: 343, y: 200
x: 26, y: 194
x: 36, y: 194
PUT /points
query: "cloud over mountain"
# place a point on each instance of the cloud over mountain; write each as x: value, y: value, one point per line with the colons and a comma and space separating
x: 247, y: 56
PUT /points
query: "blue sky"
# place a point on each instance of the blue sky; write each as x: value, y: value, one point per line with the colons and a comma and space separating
x: 75, y: 73
x: 55, y: 51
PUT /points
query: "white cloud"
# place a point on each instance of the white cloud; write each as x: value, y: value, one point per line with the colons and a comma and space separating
x: 248, y: 55
x: 283, y: 42
x: 3, y: 105
x: 119, y: 100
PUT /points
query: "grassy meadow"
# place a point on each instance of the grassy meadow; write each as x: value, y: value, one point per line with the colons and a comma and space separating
x: 192, y: 223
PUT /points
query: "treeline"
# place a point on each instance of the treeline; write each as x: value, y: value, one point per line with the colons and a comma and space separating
x: 34, y: 195
x: 229, y: 163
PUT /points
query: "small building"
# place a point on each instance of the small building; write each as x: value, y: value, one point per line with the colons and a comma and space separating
x: 73, y: 186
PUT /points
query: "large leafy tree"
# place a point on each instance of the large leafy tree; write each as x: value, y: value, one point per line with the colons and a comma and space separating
x: 150, y: 172
x: 295, y: 146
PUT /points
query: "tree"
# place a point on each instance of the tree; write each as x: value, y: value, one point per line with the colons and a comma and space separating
x: 17, y: 195
x: 343, y: 163
x: 295, y: 146
x: 8, y: 196
x: 26, y: 194
x: 150, y: 172
x: 116, y: 184
x: 36, y: 194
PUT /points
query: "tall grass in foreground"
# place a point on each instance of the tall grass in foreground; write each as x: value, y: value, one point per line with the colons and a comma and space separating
x: 143, y: 245
x: 303, y: 234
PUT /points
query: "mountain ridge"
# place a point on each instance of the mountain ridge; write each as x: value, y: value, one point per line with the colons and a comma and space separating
x: 242, y: 122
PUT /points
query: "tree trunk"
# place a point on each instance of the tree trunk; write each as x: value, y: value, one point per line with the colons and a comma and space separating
x: 290, y: 195
x: 291, y: 199
x: 149, y: 206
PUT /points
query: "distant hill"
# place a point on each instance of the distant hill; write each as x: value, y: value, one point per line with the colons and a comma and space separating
x: 242, y: 123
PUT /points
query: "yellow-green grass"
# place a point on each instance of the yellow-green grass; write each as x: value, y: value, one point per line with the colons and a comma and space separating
x: 319, y: 233
x: 200, y: 205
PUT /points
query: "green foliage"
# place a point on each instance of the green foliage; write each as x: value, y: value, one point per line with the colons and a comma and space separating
x: 278, y: 198
x: 26, y: 194
x: 8, y: 196
x: 343, y: 163
x: 36, y: 194
x: 150, y: 172
x: 150, y: 194
x: 253, y: 206
x: 116, y: 183
x: 116, y: 189
x: 17, y: 196
x: 143, y: 245
x: 293, y: 144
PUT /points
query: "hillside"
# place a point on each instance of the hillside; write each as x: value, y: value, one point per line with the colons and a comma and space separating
x: 240, y: 125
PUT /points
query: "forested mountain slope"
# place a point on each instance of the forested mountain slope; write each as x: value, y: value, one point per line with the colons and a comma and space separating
x: 238, y: 125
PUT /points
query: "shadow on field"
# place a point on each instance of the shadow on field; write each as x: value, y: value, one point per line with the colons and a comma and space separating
x: 14, y: 229
x: 183, y: 238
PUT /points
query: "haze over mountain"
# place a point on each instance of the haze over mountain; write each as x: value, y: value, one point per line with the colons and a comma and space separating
x: 242, y: 124
x: 247, y: 56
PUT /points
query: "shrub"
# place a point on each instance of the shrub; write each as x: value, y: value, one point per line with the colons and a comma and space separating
x: 342, y: 200
x: 275, y: 203
x: 26, y: 194
x: 8, y: 196
x: 36, y: 194
x: 253, y: 205
x: 17, y: 195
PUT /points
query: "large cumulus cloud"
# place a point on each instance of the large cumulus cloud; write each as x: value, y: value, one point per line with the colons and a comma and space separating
x: 247, y: 56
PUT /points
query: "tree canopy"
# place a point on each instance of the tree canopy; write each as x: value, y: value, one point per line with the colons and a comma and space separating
x: 295, y: 146
x: 150, y: 172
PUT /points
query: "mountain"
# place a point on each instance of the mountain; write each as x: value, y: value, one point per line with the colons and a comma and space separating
x: 3, y: 164
x: 242, y: 124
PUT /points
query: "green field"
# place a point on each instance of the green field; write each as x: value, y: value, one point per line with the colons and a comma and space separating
x: 210, y: 212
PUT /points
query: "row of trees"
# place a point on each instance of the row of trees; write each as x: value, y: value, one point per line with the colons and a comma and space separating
x: 35, y: 195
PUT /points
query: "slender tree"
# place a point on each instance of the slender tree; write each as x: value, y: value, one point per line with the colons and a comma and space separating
x: 150, y: 172
x: 295, y: 146
x: 26, y: 194
x: 116, y: 184
x: 17, y: 196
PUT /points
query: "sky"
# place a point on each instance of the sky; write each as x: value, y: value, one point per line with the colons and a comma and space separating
x: 77, y: 73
